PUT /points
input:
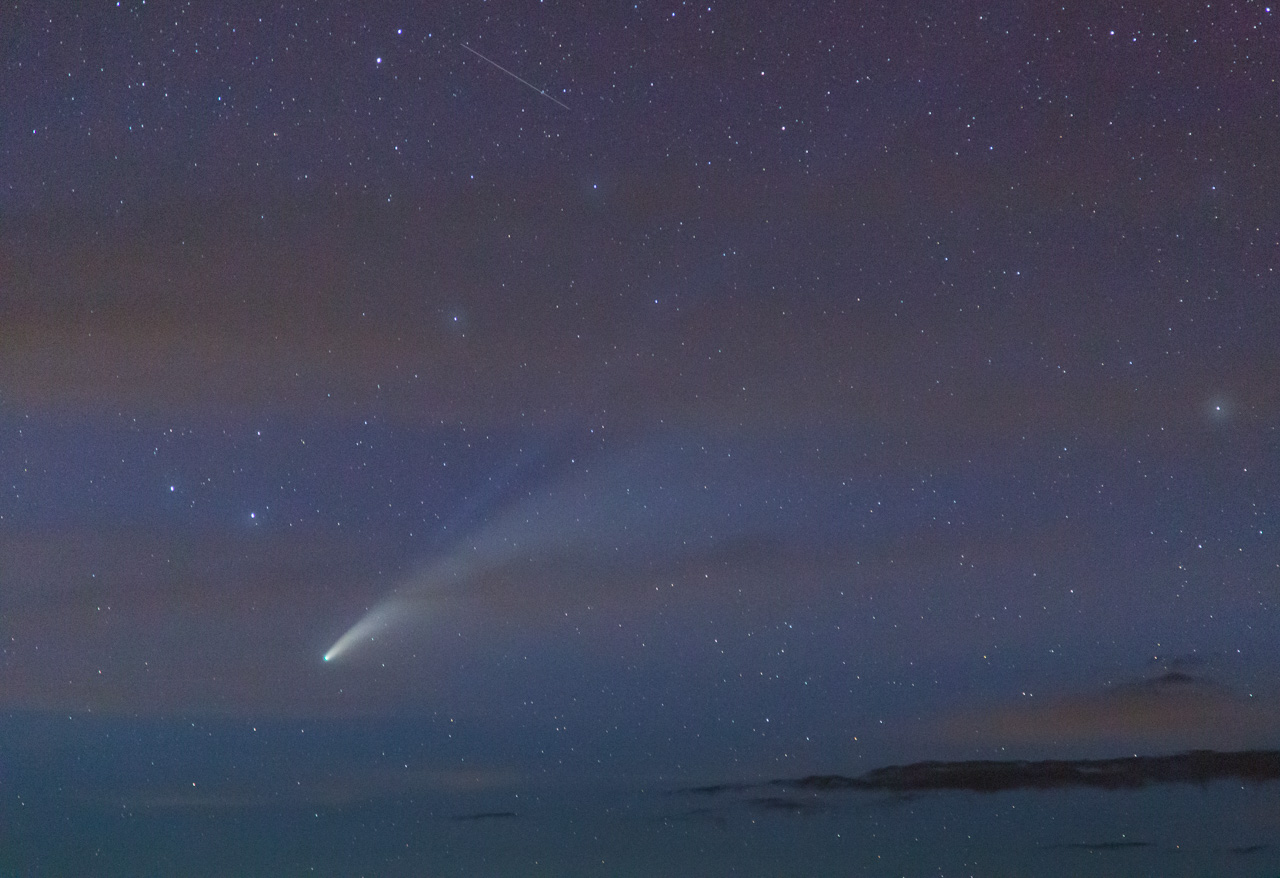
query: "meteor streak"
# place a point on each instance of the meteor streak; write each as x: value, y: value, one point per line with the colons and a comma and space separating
x: 512, y: 75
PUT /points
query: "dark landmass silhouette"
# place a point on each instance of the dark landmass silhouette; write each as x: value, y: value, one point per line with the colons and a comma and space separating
x: 1098, y: 846
x: 696, y: 815
x: 717, y: 788
x: 992, y: 776
x: 782, y: 803
x: 485, y: 815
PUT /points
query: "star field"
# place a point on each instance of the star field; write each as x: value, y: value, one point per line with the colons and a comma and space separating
x: 438, y: 431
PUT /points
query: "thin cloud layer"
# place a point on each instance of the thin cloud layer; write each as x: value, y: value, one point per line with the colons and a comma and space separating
x: 206, y: 315
x: 1173, y: 710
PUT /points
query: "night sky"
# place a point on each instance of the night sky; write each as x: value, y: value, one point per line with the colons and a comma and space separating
x: 444, y: 438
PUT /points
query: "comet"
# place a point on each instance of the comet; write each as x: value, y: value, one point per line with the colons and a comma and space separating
x: 596, y: 525
x: 529, y: 549
x: 401, y: 607
x: 375, y: 623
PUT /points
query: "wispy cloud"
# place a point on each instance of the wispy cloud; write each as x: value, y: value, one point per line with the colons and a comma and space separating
x: 1174, y: 710
x: 356, y: 786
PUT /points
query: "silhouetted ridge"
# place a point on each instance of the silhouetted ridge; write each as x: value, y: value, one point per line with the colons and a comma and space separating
x: 485, y: 815
x: 1098, y: 846
x: 990, y: 776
